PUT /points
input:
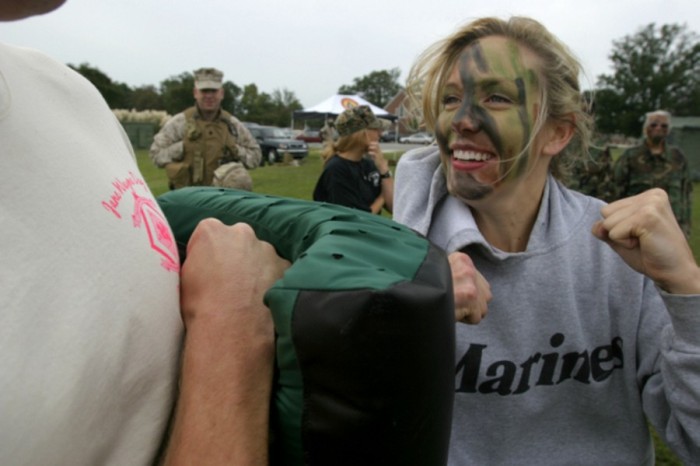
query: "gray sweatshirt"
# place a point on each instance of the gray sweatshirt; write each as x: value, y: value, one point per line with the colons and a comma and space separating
x: 577, y: 351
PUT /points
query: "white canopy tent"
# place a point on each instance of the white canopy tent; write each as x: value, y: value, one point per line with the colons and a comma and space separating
x: 337, y: 104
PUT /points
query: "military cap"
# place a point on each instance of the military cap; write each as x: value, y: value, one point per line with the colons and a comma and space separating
x: 208, y: 78
x: 356, y: 119
x: 232, y: 175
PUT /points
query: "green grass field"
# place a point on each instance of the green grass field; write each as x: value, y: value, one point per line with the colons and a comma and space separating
x: 279, y: 180
x: 299, y: 181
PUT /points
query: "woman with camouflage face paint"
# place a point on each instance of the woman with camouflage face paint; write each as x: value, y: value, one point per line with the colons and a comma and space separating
x: 493, y: 94
x: 593, y: 327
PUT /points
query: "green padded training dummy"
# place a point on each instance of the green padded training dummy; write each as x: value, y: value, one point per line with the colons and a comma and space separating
x: 365, y: 329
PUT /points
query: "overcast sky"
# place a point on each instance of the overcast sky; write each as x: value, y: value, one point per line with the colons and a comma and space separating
x: 310, y: 47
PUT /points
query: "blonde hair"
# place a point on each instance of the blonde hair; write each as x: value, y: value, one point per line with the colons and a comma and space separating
x: 559, y: 69
x: 351, y: 142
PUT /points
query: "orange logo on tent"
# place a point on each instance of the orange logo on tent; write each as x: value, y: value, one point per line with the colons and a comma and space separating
x: 347, y: 103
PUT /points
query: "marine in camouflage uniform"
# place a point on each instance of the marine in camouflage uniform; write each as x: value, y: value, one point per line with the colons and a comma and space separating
x: 196, y: 146
x: 594, y: 176
x: 655, y: 164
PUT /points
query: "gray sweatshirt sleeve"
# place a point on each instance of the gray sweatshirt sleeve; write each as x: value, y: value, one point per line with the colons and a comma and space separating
x: 419, y: 182
x: 167, y: 144
x: 671, y: 394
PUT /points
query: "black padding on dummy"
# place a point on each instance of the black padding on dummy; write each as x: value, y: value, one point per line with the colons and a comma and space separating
x: 378, y: 372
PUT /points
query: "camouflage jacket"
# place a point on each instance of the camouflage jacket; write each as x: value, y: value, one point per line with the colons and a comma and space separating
x: 638, y: 170
x: 191, y: 148
x: 594, y: 176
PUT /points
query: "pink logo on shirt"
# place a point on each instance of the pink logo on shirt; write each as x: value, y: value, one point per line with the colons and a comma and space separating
x: 147, y: 214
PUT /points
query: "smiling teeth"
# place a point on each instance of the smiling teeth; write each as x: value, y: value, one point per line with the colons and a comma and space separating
x: 469, y: 156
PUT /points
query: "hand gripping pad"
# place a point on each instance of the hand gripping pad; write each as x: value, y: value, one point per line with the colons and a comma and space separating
x: 365, y: 329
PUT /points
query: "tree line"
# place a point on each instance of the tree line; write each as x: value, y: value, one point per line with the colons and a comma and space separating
x: 174, y: 94
x: 658, y: 67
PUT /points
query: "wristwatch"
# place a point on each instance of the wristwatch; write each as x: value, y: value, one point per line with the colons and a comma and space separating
x: 386, y: 175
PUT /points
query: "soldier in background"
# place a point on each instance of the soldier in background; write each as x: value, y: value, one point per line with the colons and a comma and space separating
x: 655, y: 164
x: 328, y: 131
x: 206, y: 145
x: 594, y: 175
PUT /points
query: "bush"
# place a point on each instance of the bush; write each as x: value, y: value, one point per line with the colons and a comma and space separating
x: 156, y: 117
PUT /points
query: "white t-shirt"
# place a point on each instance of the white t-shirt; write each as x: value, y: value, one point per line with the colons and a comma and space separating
x: 90, y: 329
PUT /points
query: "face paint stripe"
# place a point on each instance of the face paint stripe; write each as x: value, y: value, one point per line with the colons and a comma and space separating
x: 521, y: 164
x: 470, y: 108
x: 462, y: 112
x: 525, y: 120
x: 479, y: 61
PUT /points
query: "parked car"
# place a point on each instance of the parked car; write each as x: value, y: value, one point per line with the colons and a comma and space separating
x: 388, y: 136
x: 417, y: 138
x: 310, y: 135
x: 275, y: 142
x: 290, y: 133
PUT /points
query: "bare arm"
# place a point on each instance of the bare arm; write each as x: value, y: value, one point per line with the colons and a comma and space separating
x: 644, y: 232
x: 223, y: 408
x: 388, y: 193
x: 377, y: 205
x: 375, y: 152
